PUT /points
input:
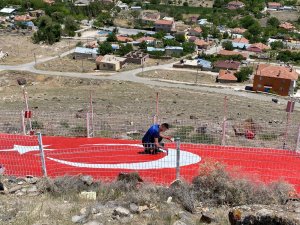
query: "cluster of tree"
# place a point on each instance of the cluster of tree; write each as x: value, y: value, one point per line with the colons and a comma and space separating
x: 244, y: 74
x: 103, y: 19
x: 214, y: 58
x: 289, y: 56
x: 227, y: 45
x: 50, y: 29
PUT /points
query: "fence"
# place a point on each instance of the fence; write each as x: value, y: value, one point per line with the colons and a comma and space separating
x: 105, y: 158
x: 266, y: 147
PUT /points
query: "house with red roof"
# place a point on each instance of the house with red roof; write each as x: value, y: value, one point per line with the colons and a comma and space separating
x: 226, y: 76
x: 287, y: 26
x: 164, y: 25
x: 149, y: 40
x: 277, y: 79
x: 201, y: 44
x: 124, y: 39
x: 274, y: 5
x: 226, y: 65
x: 196, y: 31
x: 258, y: 48
x: 224, y: 52
x: 235, y: 5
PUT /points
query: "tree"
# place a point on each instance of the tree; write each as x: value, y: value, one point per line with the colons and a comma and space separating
x: 111, y: 37
x: 180, y: 37
x: 255, y: 29
x: 104, y: 18
x: 159, y: 34
x: 186, y: 4
x: 188, y: 47
x: 225, y: 35
x: 277, y: 45
x: 105, y: 48
x: 244, y: 74
x: 70, y: 26
x: 58, y: 17
x: 124, y: 49
x: 227, y: 45
x: 247, y: 21
x: 143, y: 45
x: 48, y: 31
x: 273, y: 22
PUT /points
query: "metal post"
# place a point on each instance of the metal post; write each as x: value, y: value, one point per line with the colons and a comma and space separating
x: 42, y: 154
x: 298, y: 141
x: 23, y: 127
x: 156, y: 109
x: 224, y: 122
x: 287, y: 126
x: 87, y: 125
x: 177, y: 140
x: 27, y: 107
x: 92, y: 115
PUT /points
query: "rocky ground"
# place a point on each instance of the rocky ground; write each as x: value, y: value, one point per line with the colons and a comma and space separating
x: 21, y: 49
x: 82, y: 200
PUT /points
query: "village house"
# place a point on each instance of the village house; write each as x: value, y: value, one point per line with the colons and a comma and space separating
x: 258, y: 48
x: 8, y: 10
x: 124, y: 39
x: 241, y: 43
x: 174, y: 50
x: 201, y: 44
x: 287, y: 26
x: 110, y: 62
x: 226, y: 65
x: 149, y: 16
x: 196, y: 31
x: 237, y: 32
x: 136, y: 57
x: 23, y: 18
x: 224, y: 52
x: 85, y: 53
x: 226, y: 76
x: 205, y: 64
x: 275, y: 79
x: 274, y: 5
x: 147, y: 39
x: 50, y: 2
x: 37, y: 13
x: 164, y: 25
x: 82, y: 2
x: 235, y: 5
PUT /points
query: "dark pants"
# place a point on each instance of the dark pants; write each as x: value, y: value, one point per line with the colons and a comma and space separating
x: 151, y: 147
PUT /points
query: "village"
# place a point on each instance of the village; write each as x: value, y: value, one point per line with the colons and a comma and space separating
x: 237, y: 55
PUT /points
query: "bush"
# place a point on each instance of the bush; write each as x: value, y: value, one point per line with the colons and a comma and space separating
x: 268, y: 137
x: 216, y: 185
x: 37, y: 125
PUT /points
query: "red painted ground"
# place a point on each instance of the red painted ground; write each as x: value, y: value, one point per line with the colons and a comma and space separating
x: 261, y: 164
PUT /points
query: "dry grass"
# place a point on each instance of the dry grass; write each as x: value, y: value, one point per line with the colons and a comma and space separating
x: 68, y: 64
x: 22, y: 50
x: 182, y: 76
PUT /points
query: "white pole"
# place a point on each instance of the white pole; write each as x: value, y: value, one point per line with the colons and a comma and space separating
x: 42, y: 154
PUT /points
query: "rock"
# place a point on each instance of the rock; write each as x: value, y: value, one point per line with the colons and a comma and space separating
x: 192, y: 117
x: 31, y: 180
x: 264, y: 212
x: 14, y: 189
x: 83, y: 211
x: 207, y: 218
x: 169, y: 200
x: 179, y: 222
x: 121, y: 211
x: 133, y: 208
x: 78, y: 219
x: 143, y: 208
x: 20, y: 182
x: 21, y: 81
x: 93, y: 222
x: 87, y: 179
x: 1, y: 186
x: 89, y: 195
x: 32, y: 189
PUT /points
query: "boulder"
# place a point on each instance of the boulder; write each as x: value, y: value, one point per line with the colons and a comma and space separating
x: 121, y: 211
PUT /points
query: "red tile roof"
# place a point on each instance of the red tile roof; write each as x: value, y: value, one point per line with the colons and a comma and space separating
x: 227, y: 75
x: 241, y: 40
x: 146, y: 39
x: 23, y: 18
x: 124, y: 39
x: 196, y: 29
x: 258, y: 47
x: 229, y: 53
x: 283, y: 72
x: 200, y: 42
x: 238, y: 30
x: 227, y: 64
x: 274, y: 4
x: 164, y: 22
x: 287, y: 26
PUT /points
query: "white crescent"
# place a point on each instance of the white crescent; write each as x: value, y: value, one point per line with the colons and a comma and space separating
x: 169, y: 161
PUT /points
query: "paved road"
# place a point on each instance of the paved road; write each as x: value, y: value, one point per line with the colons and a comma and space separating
x: 131, y: 76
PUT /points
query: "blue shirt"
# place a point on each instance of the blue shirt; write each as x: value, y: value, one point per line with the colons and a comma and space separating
x: 153, y: 132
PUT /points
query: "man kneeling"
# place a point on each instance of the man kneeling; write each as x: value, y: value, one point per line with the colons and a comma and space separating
x: 153, y: 137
